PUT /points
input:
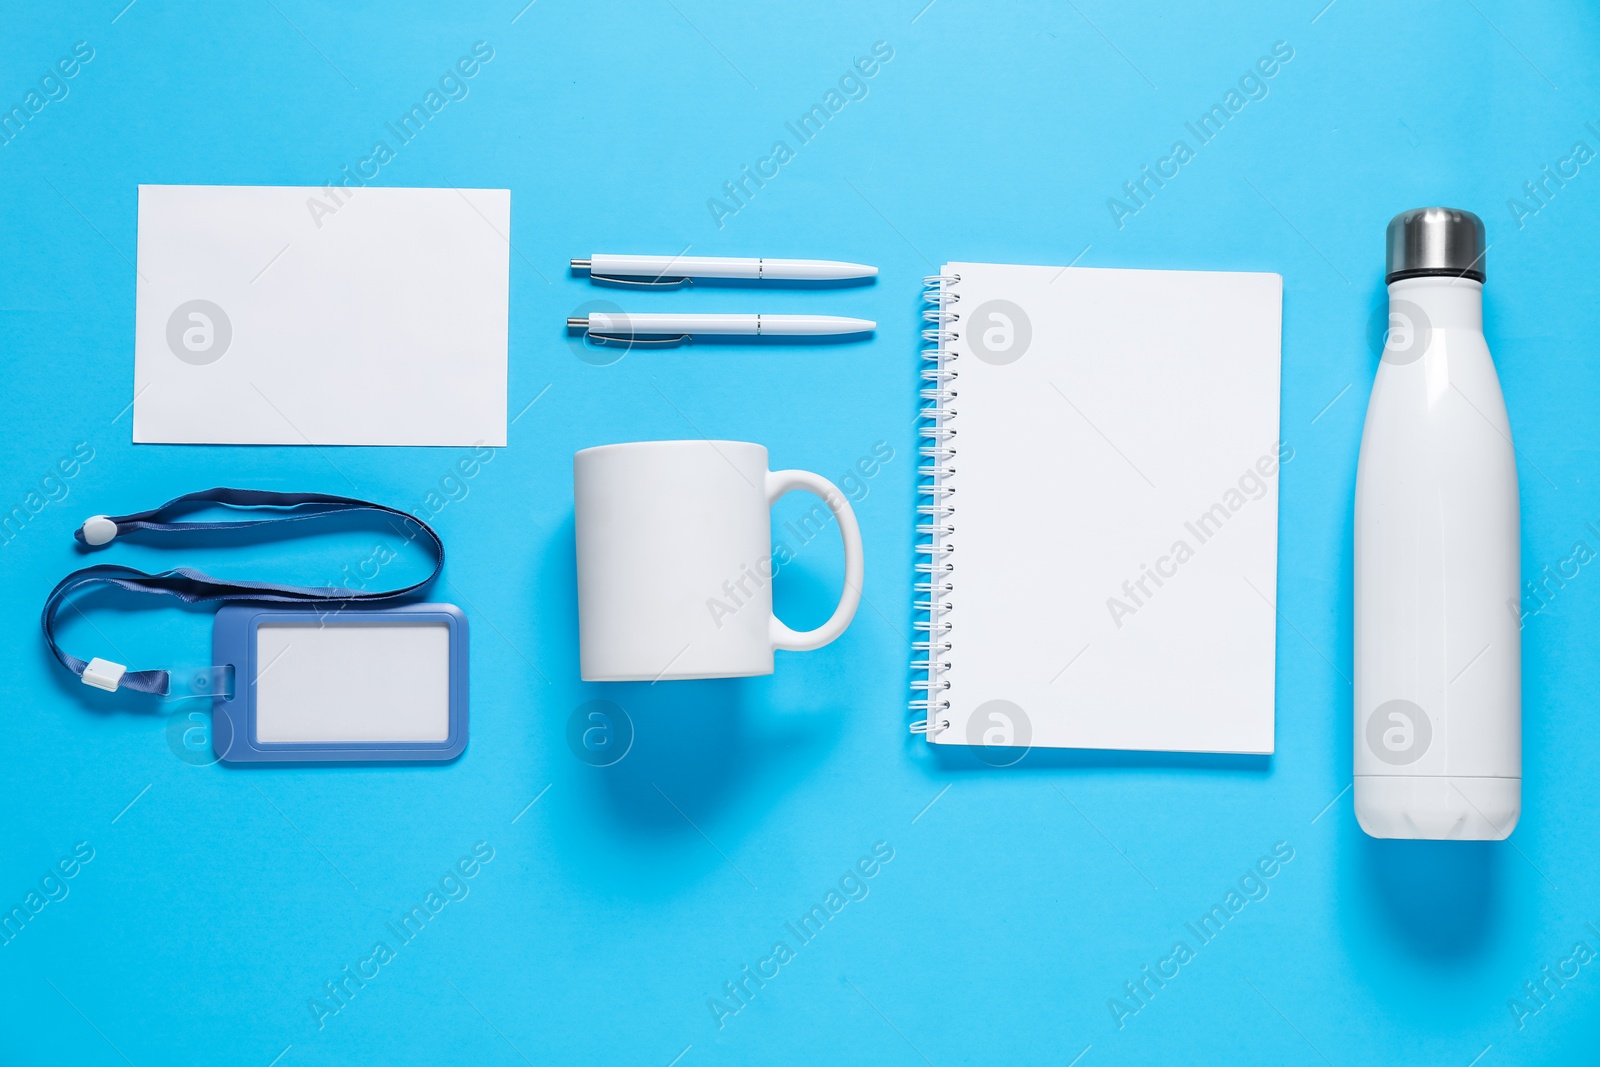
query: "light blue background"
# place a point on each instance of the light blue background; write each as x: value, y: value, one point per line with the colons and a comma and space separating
x: 222, y: 899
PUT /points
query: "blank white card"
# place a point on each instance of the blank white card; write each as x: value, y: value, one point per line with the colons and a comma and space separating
x: 276, y: 315
x: 352, y: 682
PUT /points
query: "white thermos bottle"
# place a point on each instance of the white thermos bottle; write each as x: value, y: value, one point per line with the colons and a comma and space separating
x: 1438, y: 652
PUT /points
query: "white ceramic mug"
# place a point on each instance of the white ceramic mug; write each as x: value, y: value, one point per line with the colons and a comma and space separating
x: 675, y: 560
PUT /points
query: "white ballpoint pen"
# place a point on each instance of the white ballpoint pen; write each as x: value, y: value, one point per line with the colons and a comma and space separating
x: 676, y: 270
x: 629, y: 328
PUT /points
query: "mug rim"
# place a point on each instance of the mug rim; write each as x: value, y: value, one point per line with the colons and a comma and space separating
x: 637, y: 445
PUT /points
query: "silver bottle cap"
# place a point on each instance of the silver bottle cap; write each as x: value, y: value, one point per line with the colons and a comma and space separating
x: 1435, y: 241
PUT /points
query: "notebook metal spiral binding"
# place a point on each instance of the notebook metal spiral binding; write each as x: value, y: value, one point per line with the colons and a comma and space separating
x: 936, y: 507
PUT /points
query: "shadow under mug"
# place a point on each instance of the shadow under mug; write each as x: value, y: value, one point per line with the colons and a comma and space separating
x: 675, y: 560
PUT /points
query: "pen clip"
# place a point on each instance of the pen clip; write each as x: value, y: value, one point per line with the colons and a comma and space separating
x: 649, y: 283
x: 628, y: 339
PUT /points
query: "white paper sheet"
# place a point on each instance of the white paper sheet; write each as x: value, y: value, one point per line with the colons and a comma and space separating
x: 292, y: 316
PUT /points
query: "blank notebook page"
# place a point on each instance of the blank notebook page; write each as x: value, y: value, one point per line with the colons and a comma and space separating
x: 1115, y: 511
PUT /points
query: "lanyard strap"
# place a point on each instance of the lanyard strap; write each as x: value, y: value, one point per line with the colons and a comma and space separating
x: 194, y: 587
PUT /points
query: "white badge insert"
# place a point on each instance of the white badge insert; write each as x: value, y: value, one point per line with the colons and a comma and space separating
x: 353, y: 682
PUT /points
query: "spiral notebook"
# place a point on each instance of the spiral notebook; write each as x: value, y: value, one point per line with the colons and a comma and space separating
x: 1098, y: 509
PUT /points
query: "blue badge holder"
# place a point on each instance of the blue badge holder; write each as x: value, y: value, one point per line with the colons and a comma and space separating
x: 317, y: 710
x: 235, y: 717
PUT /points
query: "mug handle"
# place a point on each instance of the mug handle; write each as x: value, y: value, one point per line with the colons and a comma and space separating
x: 781, y: 482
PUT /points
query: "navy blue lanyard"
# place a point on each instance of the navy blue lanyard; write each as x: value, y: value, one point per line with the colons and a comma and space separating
x: 194, y: 587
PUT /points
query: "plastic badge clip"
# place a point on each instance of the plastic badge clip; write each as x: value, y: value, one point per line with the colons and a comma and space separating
x: 183, y: 683
x: 187, y: 683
